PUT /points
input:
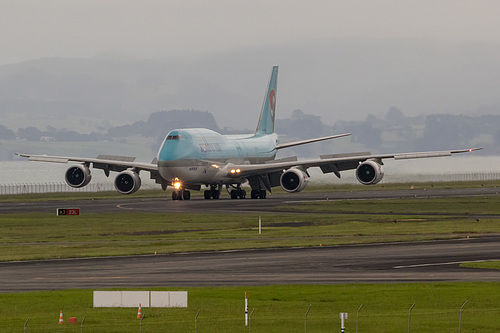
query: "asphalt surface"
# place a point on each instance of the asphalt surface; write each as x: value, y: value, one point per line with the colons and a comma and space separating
x: 377, y: 263
x: 226, y: 205
x: 382, y: 263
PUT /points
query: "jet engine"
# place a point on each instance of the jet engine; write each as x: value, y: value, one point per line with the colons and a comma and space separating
x: 127, y: 182
x: 294, y: 180
x: 369, y: 173
x: 78, y: 176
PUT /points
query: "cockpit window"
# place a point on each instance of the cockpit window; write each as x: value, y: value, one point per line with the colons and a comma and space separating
x: 175, y: 137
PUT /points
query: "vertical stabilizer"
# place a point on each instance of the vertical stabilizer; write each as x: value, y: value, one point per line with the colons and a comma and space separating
x: 267, y: 114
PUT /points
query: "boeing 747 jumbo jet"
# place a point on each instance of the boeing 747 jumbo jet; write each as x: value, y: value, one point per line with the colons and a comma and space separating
x: 191, y: 158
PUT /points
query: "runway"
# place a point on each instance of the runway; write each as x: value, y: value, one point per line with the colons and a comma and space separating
x: 226, y: 205
x: 376, y: 263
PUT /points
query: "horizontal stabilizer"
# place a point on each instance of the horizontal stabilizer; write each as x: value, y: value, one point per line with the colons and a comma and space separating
x: 285, y: 159
x: 303, y: 142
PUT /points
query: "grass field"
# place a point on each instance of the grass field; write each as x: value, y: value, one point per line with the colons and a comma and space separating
x: 494, y: 264
x: 43, y: 235
x: 277, y: 309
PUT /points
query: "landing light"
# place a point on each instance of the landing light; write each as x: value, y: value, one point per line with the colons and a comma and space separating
x: 176, y: 184
x: 233, y: 171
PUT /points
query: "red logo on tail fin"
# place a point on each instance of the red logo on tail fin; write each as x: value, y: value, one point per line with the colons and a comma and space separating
x: 272, y: 101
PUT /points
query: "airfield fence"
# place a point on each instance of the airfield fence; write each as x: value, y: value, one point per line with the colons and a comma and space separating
x: 52, y: 188
x: 30, y: 188
x: 327, y: 321
x: 442, y: 177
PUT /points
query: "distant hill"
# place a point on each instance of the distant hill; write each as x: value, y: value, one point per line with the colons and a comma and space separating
x: 392, y: 95
x: 336, y: 80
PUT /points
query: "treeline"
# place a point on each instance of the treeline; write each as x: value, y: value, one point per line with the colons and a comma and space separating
x: 393, y: 133
x: 398, y: 133
x: 50, y: 134
x: 155, y: 127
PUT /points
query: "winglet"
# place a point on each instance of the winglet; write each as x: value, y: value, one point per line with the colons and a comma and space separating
x: 267, y: 113
x: 466, y: 150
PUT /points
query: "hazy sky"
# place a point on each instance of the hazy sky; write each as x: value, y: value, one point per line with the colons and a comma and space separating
x: 339, y: 59
x: 30, y: 29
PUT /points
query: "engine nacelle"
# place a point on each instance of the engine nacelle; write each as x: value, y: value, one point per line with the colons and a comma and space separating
x: 78, y: 176
x: 294, y: 180
x: 369, y: 173
x: 127, y: 182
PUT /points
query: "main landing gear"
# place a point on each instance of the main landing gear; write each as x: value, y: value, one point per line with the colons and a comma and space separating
x: 213, y: 193
x: 256, y: 194
x: 181, y: 195
x: 238, y: 192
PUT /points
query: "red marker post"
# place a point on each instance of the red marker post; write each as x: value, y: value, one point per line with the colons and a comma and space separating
x: 68, y: 211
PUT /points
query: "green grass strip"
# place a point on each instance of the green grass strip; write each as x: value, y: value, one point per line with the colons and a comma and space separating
x: 495, y: 264
x: 279, y: 308
x: 46, y: 236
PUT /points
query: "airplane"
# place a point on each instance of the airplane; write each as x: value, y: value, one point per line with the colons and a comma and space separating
x: 194, y: 157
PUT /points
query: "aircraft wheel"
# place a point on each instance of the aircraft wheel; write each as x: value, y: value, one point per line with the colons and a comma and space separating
x: 254, y: 194
x: 234, y: 194
x: 186, y: 195
x: 262, y: 194
x: 206, y: 194
x: 243, y: 194
x: 175, y: 195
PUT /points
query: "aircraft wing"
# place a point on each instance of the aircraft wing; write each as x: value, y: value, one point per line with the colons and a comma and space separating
x: 104, y: 162
x: 335, y: 163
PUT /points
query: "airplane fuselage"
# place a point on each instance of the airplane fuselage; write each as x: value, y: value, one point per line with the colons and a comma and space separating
x: 193, y: 155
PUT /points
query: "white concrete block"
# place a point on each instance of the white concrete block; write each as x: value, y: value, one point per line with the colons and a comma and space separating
x: 178, y: 299
x: 107, y: 299
x: 160, y: 299
x: 132, y: 299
